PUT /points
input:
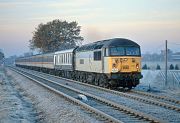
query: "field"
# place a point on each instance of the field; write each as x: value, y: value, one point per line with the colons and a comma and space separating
x: 154, y: 81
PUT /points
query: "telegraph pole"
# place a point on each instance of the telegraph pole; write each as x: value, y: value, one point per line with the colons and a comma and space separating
x: 166, y: 59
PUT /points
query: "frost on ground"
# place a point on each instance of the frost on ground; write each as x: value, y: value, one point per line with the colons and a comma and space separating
x: 51, y: 107
x: 14, y: 107
x: 154, y: 81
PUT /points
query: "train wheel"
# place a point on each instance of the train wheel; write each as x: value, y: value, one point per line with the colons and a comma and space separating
x: 113, y: 84
x: 96, y: 82
x: 106, y: 85
x: 83, y: 77
x: 103, y: 81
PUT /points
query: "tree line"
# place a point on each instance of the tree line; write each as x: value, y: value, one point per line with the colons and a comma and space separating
x: 158, y: 67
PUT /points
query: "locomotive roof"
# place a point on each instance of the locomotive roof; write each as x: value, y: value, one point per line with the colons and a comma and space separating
x: 65, y: 51
x: 108, y: 43
x: 44, y: 54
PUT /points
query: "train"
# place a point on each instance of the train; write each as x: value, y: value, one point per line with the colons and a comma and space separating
x: 110, y: 63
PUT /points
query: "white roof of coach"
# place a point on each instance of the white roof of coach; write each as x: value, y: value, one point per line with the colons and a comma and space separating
x: 65, y: 51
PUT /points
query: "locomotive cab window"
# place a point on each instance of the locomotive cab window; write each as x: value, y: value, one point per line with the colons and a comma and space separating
x: 125, y: 51
x: 132, y: 51
x: 97, y: 55
x: 117, y: 51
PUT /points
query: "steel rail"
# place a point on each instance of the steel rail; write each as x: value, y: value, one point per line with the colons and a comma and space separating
x: 75, y: 101
x: 141, y: 99
x: 157, y: 97
x: 127, y: 110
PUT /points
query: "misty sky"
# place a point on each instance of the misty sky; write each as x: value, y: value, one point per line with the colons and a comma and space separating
x: 148, y: 22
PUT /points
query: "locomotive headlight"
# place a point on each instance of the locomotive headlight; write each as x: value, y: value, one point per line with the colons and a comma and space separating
x: 125, y: 59
x: 114, y: 69
x: 137, y: 66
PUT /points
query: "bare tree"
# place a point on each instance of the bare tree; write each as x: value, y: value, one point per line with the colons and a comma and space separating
x: 56, y: 35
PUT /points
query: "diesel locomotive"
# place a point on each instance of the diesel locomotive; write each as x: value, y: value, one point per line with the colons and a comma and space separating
x: 108, y: 63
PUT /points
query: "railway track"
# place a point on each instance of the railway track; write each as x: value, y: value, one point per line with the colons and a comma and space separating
x: 144, y: 97
x: 110, y: 111
x: 165, y: 98
x: 153, y: 109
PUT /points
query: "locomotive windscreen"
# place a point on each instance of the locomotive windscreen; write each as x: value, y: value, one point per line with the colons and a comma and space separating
x: 132, y: 51
x: 125, y: 51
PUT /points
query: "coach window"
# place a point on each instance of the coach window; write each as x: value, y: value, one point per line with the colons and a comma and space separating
x: 62, y: 58
x: 55, y: 60
x: 65, y: 59
x: 59, y: 58
x: 97, y: 55
x: 68, y: 58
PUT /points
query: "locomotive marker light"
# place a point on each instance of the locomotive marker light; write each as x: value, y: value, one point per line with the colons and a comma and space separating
x: 137, y: 66
x: 114, y: 69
